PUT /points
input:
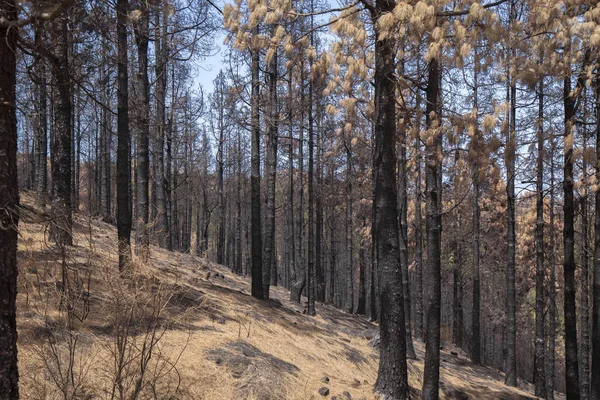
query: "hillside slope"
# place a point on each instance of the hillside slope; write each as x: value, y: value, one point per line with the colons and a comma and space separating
x: 181, y: 327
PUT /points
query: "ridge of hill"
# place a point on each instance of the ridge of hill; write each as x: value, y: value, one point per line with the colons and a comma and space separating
x: 182, y: 327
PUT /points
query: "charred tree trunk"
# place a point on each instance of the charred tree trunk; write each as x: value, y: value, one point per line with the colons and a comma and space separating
x: 349, y: 299
x: 143, y: 158
x: 300, y: 282
x: 510, y: 377
x: 123, y: 141
x: 570, y: 308
x: 539, y: 373
x: 41, y: 147
x: 160, y: 49
x: 270, y: 276
x: 9, y: 203
x: 551, y: 354
x: 595, y: 380
x: 257, y: 258
x: 392, y: 377
x: 403, y: 236
x: 61, y: 229
x: 433, y: 171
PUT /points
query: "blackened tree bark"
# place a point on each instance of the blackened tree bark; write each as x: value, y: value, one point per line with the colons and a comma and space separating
x: 220, y: 121
x: 291, y: 214
x: 300, y: 282
x: 595, y: 379
x: 9, y: 203
x: 161, y: 52
x: 270, y: 276
x: 41, y: 145
x: 105, y: 140
x: 570, y: 311
x: 61, y: 229
x: 392, y: 377
x: 403, y: 236
x: 310, y: 265
x: 510, y: 377
x: 539, y: 375
x: 257, y: 258
x: 143, y: 159
x: 476, y: 248
x: 123, y: 141
x: 418, y: 235
x: 584, y: 349
x: 432, y: 294
x: 349, y: 299
x: 551, y: 354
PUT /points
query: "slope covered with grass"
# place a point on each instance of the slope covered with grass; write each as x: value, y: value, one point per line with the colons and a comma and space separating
x: 181, y: 327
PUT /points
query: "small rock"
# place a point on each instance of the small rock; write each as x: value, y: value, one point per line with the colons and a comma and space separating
x: 324, y: 391
x: 334, y: 398
x: 348, y: 395
x: 325, y: 379
x: 374, y: 343
x: 355, y: 383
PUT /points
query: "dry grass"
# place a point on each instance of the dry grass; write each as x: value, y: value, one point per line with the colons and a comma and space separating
x: 218, y: 342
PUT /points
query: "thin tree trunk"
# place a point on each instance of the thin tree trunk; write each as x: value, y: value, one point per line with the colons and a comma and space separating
x: 160, y: 50
x: 143, y: 158
x: 433, y: 171
x: 41, y: 147
x: 539, y: 375
x: 62, y: 147
x: 257, y: 258
x: 570, y: 311
x: 270, y: 276
x: 300, y: 282
x: 510, y: 377
x: 551, y: 354
x: 595, y: 380
x: 403, y: 235
x: 476, y: 247
x: 349, y: 299
x: 418, y: 234
x: 123, y: 141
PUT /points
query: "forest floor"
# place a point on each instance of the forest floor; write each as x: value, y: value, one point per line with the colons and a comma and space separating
x: 181, y: 327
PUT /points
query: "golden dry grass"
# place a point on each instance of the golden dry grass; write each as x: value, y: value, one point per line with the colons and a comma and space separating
x: 207, y: 317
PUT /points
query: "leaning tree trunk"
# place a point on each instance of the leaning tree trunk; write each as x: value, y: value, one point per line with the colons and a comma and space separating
x: 9, y: 203
x: 123, y: 141
x: 392, y: 377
